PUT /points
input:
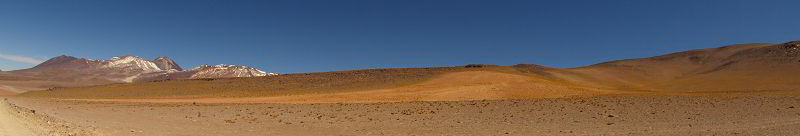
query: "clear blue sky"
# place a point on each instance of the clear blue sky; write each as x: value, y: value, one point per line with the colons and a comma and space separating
x: 291, y: 36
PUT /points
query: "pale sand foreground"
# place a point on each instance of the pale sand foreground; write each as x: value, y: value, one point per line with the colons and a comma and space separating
x: 11, y: 125
x: 606, y: 115
x: 21, y: 121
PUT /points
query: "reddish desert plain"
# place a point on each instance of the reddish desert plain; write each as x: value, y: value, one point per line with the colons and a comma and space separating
x: 746, y: 89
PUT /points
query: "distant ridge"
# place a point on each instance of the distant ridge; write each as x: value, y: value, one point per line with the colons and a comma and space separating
x: 126, y: 69
x: 741, y: 67
x: 733, y: 68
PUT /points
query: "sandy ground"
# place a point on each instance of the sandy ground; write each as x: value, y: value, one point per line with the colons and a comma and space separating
x: 6, y: 93
x: 456, y: 86
x: 21, y: 121
x: 502, y: 101
x: 605, y: 115
x: 11, y: 125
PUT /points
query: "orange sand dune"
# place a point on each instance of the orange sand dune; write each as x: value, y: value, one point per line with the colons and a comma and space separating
x: 471, y: 85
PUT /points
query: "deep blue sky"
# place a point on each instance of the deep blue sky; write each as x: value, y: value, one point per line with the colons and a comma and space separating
x: 290, y: 36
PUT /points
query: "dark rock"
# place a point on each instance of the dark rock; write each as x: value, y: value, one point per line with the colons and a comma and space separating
x: 479, y: 65
x: 527, y: 65
x: 792, y: 45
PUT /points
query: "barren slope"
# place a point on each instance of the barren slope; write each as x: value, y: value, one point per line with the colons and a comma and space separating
x: 290, y: 84
x: 11, y: 125
x: 453, y: 86
x: 759, y: 68
x: 736, y: 68
x: 383, y: 85
x: 639, y: 115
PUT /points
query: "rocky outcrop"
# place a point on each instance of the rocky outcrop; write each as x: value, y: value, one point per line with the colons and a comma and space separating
x: 166, y: 63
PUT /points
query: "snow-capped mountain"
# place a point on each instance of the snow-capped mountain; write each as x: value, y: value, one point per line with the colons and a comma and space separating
x: 127, y: 63
x: 131, y: 63
x: 164, y: 62
x: 116, y: 69
x: 207, y: 71
x: 222, y: 70
x: 132, y: 68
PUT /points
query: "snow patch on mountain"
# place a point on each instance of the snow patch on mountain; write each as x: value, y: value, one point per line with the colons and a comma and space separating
x: 134, y: 69
x: 131, y: 62
x: 166, y: 63
x: 223, y: 71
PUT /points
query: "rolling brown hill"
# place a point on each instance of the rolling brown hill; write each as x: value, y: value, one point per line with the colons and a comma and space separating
x: 743, y: 68
x: 68, y: 71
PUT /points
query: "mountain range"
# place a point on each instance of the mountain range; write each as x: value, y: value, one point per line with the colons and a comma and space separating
x: 64, y: 70
x: 733, y: 68
x: 742, y: 68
